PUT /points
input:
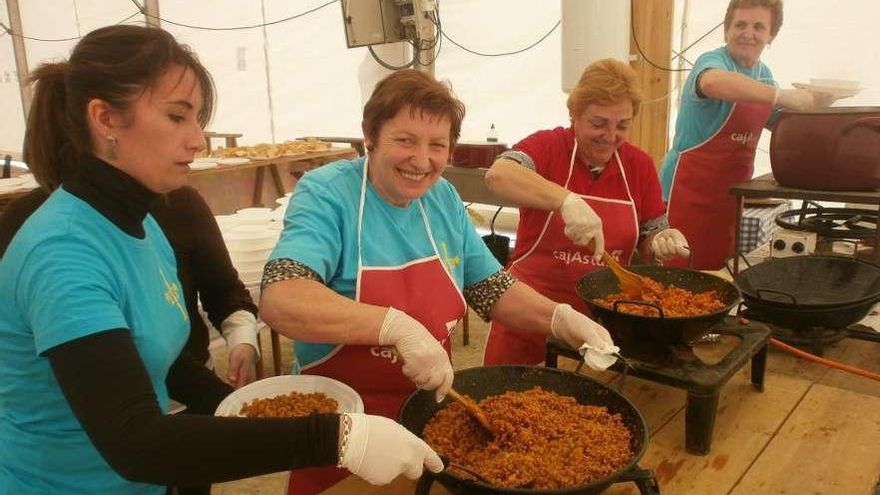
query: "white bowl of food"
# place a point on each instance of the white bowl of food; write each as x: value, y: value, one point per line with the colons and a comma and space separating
x: 270, y: 388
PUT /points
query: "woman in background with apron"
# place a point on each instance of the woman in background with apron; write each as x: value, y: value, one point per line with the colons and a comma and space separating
x: 728, y: 98
x: 378, y: 257
x: 581, y: 190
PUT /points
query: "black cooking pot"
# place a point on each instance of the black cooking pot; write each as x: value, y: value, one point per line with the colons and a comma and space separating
x: 483, y: 382
x: 811, y: 291
x: 810, y: 282
x: 637, y: 334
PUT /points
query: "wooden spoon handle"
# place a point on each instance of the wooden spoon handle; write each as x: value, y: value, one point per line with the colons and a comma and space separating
x: 473, y: 409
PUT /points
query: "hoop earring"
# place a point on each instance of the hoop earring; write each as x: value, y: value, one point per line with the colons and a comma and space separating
x: 112, y: 143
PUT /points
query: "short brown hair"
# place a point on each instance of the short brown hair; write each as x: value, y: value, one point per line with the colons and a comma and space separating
x: 605, y: 82
x: 774, y: 6
x: 421, y: 92
x: 114, y: 64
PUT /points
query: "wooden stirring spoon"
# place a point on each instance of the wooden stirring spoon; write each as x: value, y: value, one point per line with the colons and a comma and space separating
x: 473, y: 409
x: 630, y: 283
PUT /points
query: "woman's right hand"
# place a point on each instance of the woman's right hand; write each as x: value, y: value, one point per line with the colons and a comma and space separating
x: 378, y: 450
x: 795, y: 99
x: 425, y: 362
x: 582, y: 225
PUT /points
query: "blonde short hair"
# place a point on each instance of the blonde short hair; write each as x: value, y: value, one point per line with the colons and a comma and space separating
x: 605, y: 82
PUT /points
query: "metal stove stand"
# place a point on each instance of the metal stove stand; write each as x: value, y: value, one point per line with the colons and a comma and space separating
x: 815, y: 339
x: 766, y: 186
x: 702, y: 381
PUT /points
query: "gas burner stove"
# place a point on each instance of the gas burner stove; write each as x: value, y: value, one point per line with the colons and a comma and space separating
x: 814, y: 339
x: 681, y: 368
x: 834, y: 223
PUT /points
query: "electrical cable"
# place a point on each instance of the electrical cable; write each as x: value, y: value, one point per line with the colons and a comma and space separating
x: 438, y: 39
x: 632, y: 26
x: 655, y: 100
x: 8, y: 31
x: 394, y: 67
x: 237, y: 28
x: 644, y: 56
x: 443, y: 34
x: 707, y: 33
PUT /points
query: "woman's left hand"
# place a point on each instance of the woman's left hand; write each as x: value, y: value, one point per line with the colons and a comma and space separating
x: 242, y: 365
x: 669, y: 243
x: 580, y: 332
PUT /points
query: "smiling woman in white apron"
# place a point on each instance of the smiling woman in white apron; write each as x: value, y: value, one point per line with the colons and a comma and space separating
x: 378, y: 257
x: 580, y: 190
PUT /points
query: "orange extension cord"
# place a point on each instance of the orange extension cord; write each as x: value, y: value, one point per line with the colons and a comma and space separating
x: 823, y: 361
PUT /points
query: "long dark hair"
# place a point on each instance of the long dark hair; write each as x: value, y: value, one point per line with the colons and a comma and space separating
x: 114, y: 64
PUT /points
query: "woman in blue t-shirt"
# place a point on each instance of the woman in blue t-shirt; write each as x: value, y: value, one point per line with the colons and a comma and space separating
x: 728, y: 98
x: 378, y: 261
x: 93, y: 319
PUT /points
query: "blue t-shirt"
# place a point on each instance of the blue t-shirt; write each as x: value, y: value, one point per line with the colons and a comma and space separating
x: 69, y: 273
x: 700, y: 118
x: 320, y: 231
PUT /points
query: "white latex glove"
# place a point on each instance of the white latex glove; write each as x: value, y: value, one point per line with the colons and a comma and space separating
x: 378, y: 450
x: 240, y: 331
x: 425, y: 362
x: 794, y: 99
x: 669, y: 243
x: 582, y: 333
x: 582, y: 224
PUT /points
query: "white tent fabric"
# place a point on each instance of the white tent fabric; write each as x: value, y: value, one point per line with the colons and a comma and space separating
x: 298, y: 78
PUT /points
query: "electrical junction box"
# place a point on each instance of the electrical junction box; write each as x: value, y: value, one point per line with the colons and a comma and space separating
x: 785, y: 243
x: 374, y: 22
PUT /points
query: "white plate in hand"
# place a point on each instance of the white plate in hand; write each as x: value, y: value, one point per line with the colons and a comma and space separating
x: 835, y: 92
x: 348, y: 399
x: 202, y: 165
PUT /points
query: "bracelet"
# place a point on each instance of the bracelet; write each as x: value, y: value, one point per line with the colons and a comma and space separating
x: 776, y: 96
x: 343, y: 443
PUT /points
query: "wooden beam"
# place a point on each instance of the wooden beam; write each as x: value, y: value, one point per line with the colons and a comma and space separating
x: 18, y: 49
x: 151, y: 12
x: 652, y: 25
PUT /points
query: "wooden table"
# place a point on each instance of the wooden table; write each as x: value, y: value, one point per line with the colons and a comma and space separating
x: 295, y: 164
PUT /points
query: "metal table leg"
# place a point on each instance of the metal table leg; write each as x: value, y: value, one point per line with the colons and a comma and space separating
x: 759, y: 366
x: 700, y: 421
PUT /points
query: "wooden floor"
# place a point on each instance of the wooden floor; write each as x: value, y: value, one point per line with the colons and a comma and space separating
x: 812, y: 431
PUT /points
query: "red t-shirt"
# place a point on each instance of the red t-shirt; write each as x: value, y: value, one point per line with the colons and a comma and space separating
x: 551, y: 150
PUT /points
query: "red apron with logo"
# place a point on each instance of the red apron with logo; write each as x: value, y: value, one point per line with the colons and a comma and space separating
x: 424, y: 290
x: 700, y: 204
x: 554, y: 264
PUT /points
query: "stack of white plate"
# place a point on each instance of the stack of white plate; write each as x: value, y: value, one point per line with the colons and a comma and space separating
x: 250, y: 235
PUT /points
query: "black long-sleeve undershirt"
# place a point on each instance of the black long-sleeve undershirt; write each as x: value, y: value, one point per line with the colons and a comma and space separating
x: 142, y: 444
